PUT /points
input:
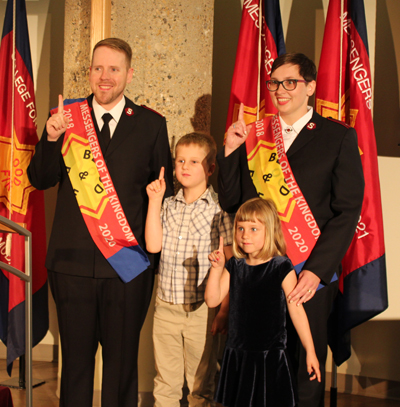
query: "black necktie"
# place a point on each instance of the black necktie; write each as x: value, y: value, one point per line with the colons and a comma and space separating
x: 105, y: 131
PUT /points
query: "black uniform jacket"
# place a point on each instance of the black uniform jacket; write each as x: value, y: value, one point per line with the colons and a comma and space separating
x: 138, y: 149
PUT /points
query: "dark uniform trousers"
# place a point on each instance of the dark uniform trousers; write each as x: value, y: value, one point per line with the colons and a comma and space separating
x: 105, y: 311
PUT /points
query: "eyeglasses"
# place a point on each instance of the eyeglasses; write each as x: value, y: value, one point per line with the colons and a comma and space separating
x: 288, y: 84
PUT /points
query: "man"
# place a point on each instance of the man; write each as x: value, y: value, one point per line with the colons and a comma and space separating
x: 94, y: 304
x: 324, y: 159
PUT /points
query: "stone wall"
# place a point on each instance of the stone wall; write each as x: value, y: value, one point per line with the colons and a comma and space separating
x: 172, y: 56
x: 76, y: 48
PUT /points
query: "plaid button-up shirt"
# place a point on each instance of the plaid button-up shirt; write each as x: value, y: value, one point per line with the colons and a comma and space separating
x: 190, y: 233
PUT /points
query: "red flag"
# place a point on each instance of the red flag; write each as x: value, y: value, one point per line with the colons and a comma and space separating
x: 344, y: 92
x: 255, y: 55
x: 19, y: 201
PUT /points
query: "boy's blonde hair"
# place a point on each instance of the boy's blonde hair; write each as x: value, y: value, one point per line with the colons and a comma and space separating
x: 263, y: 210
x: 204, y: 140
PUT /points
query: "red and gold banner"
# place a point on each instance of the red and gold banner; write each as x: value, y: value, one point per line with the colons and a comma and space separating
x: 19, y: 201
x: 260, y: 42
x: 344, y: 92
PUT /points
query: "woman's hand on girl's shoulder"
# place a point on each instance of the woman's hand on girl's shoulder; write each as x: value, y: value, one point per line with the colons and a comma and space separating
x: 217, y: 257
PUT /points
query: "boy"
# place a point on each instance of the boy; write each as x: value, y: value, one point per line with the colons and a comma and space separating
x: 187, y: 230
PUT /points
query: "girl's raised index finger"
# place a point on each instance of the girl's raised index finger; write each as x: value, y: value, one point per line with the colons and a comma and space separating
x: 221, y: 244
x: 60, y: 104
x: 161, y: 176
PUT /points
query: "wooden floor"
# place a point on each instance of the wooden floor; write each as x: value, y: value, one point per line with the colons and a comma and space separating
x: 45, y: 395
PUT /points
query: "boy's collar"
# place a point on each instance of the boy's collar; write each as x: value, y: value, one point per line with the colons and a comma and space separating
x: 208, y: 195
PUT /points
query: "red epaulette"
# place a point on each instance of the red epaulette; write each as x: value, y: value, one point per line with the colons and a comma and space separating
x: 152, y: 110
x: 339, y: 122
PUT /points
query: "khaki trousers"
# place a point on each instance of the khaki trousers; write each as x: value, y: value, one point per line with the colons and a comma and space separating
x: 184, y: 348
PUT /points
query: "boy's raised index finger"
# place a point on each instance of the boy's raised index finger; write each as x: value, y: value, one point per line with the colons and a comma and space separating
x: 60, y: 104
x: 162, y: 171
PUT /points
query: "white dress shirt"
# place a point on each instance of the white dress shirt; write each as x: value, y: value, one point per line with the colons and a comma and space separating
x: 290, y: 133
x: 115, y: 112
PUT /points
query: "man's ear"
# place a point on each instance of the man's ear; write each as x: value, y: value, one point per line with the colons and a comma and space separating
x: 130, y: 75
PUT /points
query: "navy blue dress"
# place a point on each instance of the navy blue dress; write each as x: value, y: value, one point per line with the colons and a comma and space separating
x: 255, y: 371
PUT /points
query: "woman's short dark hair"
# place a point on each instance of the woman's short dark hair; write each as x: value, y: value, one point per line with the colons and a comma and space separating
x: 307, y: 68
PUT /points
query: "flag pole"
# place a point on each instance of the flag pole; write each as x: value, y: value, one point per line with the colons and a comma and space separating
x: 260, y: 20
x: 341, y: 60
x: 12, y: 105
x: 28, y: 311
x: 9, y: 235
x: 333, y: 400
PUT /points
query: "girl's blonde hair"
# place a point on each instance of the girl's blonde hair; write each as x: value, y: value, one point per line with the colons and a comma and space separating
x: 263, y: 210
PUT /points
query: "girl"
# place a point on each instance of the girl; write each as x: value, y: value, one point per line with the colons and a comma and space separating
x: 255, y: 371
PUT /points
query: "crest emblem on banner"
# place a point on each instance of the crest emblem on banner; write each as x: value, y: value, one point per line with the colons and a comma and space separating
x: 21, y: 187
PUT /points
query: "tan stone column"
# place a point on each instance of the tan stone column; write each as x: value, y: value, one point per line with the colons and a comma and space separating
x: 100, y: 21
